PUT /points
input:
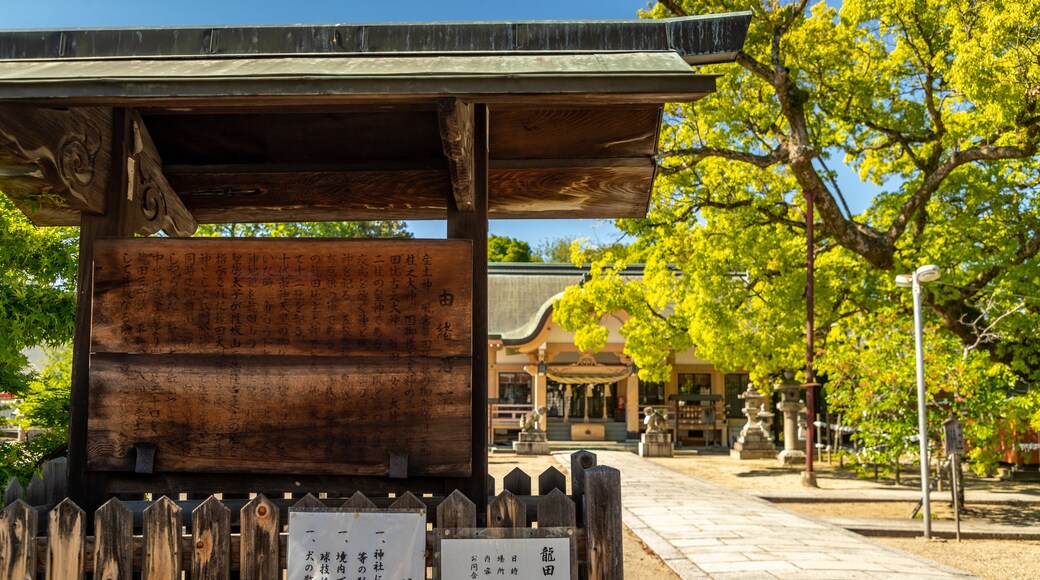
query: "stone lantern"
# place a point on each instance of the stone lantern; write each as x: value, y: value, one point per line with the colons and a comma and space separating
x: 754, y: 441
x: 794, y: 412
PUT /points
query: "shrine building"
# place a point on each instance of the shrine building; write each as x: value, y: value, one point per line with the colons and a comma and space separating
x: 590, y: 397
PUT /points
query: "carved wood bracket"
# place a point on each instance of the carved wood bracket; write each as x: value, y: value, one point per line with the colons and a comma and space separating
x: 72, y: 149
x: 154, y: 205
x: 455, y: 118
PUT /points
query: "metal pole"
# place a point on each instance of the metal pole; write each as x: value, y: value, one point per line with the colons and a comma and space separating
x: 922, y: 412
x: 809, y: 479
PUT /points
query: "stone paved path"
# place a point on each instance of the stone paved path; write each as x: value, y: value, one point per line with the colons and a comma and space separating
x: 702, y: 530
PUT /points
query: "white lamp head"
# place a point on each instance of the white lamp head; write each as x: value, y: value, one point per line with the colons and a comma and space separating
x: 929, y: 273
x: 904, y: 280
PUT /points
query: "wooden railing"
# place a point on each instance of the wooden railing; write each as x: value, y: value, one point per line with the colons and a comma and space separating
x: 248, y: 535
x: 506, y: 416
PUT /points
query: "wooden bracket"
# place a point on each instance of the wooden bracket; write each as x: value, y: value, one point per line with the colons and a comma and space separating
x: 145, y: 462
x: 70, y: 150
x: 154, y: 205
x: 455, y: 118
x: 398, y: 464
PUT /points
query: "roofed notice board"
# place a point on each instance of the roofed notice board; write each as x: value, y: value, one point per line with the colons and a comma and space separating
x: 283, y: 356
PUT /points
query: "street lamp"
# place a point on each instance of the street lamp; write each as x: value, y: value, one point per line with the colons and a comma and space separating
x: 922, y: 275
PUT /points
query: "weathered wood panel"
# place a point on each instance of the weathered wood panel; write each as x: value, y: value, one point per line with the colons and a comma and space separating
x: 556, y: 510
x: 603, y: 523
x: 162, y: 541
x: 280, y: 414
x: 526, y: 133
x: 18, y: 526
x: 457, y: 511
x: 283, y: 297
x: 259, y: 552
x: 113, y: 543
x: 66, y: 542
x: 211, y: 539
x: 506, y: 511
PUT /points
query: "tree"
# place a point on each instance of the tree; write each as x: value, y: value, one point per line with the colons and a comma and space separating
x: 932, y: 102
x: 364, y: 229
x: 506, y: 249
x: 37, y: 291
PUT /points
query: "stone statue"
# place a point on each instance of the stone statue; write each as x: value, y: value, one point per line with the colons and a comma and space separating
x: 532, y: 422
x: 656, y: 420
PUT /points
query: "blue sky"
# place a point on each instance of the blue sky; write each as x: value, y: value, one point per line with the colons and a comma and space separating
x: 51, y: 14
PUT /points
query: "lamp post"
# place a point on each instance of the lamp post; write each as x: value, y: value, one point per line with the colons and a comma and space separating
x: 922, y: 275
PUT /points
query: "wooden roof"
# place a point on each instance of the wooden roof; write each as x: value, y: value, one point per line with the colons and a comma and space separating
x: 342, y: 122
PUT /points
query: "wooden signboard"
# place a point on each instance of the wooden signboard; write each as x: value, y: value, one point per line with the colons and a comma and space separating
x: 282, y: 356
x: 283, y: 297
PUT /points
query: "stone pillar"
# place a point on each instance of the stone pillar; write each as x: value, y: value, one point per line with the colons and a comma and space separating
x: 754, y: 441
x: 790, y: 406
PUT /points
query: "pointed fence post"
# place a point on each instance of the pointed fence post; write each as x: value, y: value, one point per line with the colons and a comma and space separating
x: 55, y: 480
x: 113, y: 541
x: 18, y: 541
x: 556, y: 510
x: 66, y: 542
x: 260, y: 526
x: 603, y: 523
x: 457, y: 511
x: 517, y: 482
x: 12, y: 492
x: 408, y: 501
x: 211, y: 541
x: 580, y: 461
x: 507, y: 511
x: 359, y: 501
x: 551, y: 479
x: 35, y: 494
x: 162, y: 541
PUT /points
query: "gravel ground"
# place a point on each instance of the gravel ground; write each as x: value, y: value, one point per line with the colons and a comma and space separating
x: 991, y: 559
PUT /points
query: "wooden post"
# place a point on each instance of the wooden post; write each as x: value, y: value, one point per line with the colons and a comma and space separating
x: 211, y: 541
x: 66, y: 542
x: 162, y: 541
x: 457, y: 511
x: 88, y: 491
x: 580, y: 462
x: 18, y: 541
x: 473, y: 225
x: 113, y: 541
x: 603, y: 523
x: 259, y: 553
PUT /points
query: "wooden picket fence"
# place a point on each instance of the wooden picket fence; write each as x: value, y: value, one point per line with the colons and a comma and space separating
x: 211, y: 538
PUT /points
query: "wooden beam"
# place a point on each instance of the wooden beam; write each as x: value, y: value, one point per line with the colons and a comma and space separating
x: 70, y: 148
x: 455, y: 118
x: 473, y: 226
x: 154, y: 204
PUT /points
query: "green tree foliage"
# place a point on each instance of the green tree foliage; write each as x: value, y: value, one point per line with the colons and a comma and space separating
x: 37, y: 291
x: 506, y: 249
x: 45, y: 410
x: 932, y: 103
x: 365, y: 229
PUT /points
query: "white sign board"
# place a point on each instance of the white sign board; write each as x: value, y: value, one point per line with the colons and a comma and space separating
x: 333, y: 545
x: 511, y: 558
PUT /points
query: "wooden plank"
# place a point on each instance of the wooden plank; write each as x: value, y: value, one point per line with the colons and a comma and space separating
x: 506, y: 511
x: 473, y: 226
x: 525, y: 133
x: 155, y: 204
x: 457, y: 511
x: 72, y: 148
x: 260, y: 525
x: 408, y: 501
x: 603, y: 523
x: 66, y: 542
x: 580, y: 461
x: 455, y: 118
x: 211, y: 540
x: 288, y: 415
x: 309, y: 501
x: 55, y: 480
x: 556, y: 510
x: 284, y: 297
x: 13, y: 491
x: 517, y: 482
x: 85, y: 488
x: 18, y: 541
x: 162, y: 546
x: 36, y: 492
x: 551, y: 479
x: 113, y: 542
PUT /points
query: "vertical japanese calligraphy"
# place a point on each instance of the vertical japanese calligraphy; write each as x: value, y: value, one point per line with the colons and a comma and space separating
x: 282, y: 356
x: 283, y: 297
x: 331, y: 545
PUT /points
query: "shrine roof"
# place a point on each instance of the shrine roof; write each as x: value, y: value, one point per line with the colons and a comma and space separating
x: 340, y: 122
